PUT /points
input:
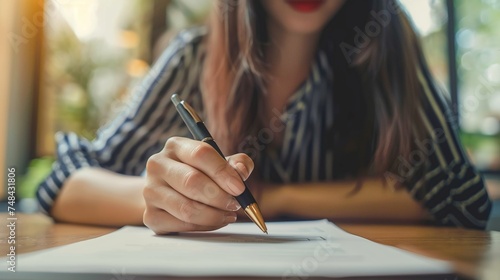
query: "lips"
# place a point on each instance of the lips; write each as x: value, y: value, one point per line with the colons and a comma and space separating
x: 305, y: 6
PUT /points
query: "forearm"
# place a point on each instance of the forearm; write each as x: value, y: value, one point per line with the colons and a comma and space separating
x: 374, y: 201
x: 100, y: 197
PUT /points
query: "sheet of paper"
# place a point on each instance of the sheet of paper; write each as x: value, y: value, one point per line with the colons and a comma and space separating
x: 292, y: 250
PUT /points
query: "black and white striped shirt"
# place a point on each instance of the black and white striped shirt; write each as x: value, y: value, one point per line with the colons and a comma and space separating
x: 448, y: 185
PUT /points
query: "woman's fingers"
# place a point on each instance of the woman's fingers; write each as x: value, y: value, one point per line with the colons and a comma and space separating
x: 190, y: 182
x: 185, y: 209
x: 242, y: 163
x: 204, y: 158
x: 162, y: 222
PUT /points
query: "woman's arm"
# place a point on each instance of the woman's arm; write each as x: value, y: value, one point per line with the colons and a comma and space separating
x: 100, y: 197
x: 374, y: 201
x: 445, y: 183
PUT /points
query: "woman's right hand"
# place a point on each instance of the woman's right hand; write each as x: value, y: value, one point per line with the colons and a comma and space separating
x: 190, y: 187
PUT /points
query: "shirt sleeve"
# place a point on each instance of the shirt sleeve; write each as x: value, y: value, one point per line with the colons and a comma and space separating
x: 124, y: 145
x: 446, y: 183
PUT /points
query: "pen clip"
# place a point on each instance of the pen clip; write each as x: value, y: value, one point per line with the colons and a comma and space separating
x: 191, y: 111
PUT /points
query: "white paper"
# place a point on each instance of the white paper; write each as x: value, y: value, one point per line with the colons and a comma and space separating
x: 292, y: 250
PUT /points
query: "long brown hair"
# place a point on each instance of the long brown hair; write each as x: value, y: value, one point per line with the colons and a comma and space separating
x: 376, y: 88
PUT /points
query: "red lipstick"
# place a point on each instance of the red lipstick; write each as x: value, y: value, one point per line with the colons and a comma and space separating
x: 305, y: 6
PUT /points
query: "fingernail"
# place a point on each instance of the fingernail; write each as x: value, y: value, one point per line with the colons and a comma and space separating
x: 230, y: 218
x: 235, y: 185
x: 243, y: 170
x: 233, y: 205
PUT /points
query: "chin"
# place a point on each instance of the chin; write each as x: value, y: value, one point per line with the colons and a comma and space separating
x: 304, y: 27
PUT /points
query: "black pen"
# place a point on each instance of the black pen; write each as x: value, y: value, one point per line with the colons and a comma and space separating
x: 200, y: 132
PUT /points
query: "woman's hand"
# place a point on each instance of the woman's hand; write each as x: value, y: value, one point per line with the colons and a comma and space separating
x: 189, y: 186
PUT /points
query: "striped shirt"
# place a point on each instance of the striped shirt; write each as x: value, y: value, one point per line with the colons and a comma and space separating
x: 446, y: 184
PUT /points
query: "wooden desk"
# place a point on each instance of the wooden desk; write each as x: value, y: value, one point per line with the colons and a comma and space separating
x: 474, y: 254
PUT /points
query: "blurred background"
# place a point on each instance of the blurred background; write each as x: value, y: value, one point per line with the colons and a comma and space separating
x: 69, y: 65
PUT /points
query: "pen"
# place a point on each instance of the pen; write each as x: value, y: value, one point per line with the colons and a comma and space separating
x: 200, y: 132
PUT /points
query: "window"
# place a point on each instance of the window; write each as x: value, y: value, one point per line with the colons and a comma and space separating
x: 95, y: 50
x: 474, y: 84
x: 478, y: 60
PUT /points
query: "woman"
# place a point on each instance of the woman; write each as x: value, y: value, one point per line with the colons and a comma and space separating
x: 331, y: 100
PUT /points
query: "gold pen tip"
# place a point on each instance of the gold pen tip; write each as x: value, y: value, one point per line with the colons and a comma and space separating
x: 253, y: 212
